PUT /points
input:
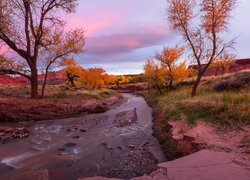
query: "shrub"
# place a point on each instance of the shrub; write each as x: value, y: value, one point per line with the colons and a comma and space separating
x: 61, y: 95
x: 233, y: 82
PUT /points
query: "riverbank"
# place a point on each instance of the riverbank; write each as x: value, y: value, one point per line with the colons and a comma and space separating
x: 225, y: 111
x: 61, y: 102
x: 208, y: 136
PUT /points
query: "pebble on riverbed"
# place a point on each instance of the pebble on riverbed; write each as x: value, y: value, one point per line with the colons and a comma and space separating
x: 72, y: 128
x: 9, y: 134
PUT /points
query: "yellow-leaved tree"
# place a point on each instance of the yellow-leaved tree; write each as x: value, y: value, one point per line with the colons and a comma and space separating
x: 121, y: 80
x: 23, y: 28
x: 180, y: 72
x: 59, y: 45
x: 72, y: 70
x: 202, y: 25
x: 168, y: 58
x: 109, y: 79
x: 93, y: 78
x: 155, y: 74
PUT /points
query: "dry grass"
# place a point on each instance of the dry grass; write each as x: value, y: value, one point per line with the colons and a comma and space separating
x: 226, y: 108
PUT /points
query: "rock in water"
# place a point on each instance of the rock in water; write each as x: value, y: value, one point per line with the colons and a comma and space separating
x: 125, y: 118
x: 70, y: 144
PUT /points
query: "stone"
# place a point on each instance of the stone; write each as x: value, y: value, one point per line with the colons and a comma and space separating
x: 125, y: 118
x: 83, y: 130
x: 70, y: 144
x: 61, y: 149
x: 205, y: 164
x: 76, y: 137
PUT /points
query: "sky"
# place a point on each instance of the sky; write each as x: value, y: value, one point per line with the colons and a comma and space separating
x: 123, y: 34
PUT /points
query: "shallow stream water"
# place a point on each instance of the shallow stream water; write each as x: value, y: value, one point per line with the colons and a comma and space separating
x: 88, y: 146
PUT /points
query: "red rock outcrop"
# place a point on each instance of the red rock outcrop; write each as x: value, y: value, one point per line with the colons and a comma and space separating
x: 239, y: 65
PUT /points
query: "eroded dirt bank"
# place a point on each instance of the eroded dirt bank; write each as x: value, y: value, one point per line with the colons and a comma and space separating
x: 225, y: 154
x: 221, y: 154
x: 23, y: 109
x: 117, y: 143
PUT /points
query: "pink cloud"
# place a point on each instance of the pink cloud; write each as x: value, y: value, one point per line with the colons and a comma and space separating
x: 94, y: 23
x: 119, y: 43
x: 134, y: 44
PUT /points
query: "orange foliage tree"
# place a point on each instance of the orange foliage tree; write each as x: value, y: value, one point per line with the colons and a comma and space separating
x: 109, y: 79
x: 155, y: 74
x: 201, y: 24
x: 121, y: 80
x: 93, y: 78
x: 23, y: 25
x: 180, y: 72
x: 72, y: 70
x: 59, y: 45
x: 168, y: 58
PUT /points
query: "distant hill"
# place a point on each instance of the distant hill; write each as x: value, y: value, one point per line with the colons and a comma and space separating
x: 239, y: 65
x: 53, y: 78
x: 10, y: 80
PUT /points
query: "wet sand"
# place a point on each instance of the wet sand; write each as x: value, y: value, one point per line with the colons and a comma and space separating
x: 92, y: 145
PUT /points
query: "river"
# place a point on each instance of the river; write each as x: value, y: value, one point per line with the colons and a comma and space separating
x: 88, y: 146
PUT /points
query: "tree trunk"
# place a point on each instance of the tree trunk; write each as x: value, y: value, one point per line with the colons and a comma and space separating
x: 71, y: 80
x: 45, y: 81
x: 196, y: 84
x: 34, y: 83
x: 170, y: 85
x: 223, y: 70
x: 159, y: 89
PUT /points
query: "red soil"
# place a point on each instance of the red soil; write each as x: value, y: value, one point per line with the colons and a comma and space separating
x: 19, y: 80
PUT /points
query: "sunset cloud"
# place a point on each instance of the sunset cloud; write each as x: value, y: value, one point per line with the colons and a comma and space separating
x: 124, y: 33
x: 125, y: 42
x: 95, y: 23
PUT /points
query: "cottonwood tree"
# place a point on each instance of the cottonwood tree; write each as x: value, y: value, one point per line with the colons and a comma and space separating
x: 93, y: 78
x: 155, y: 74
x: 60, y: 45
x: 72, y: 70
x: 23, y: 24
x: 180, y: 72
x: 168, y: 58
x: 121, y: 80
x: 109, y: 79
x: 201, y: 24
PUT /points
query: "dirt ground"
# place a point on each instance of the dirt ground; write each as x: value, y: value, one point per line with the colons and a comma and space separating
x: 236, y: 142
x: 18, y: 107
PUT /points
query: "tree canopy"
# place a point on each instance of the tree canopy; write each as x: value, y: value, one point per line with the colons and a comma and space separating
x: 24, y: 28
x: 201, y: 24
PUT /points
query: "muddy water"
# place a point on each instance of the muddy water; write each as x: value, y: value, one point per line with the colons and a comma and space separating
x: 87, y: 146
